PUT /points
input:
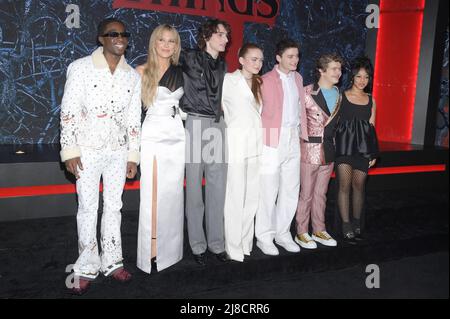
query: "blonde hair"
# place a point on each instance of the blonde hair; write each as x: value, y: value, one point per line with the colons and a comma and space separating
x: 150, y: 76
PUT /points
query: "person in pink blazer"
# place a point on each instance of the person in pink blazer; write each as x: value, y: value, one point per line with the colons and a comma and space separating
x: 322, y: 103
x: 284, y: 122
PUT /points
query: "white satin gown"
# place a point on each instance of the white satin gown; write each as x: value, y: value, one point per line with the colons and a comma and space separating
x: 163, y: 139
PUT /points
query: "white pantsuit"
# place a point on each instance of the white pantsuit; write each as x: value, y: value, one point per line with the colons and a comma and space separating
x: 244, y: 140
x: 100, y: 124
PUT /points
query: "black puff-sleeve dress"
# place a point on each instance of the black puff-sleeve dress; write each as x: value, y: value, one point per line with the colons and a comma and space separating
x: 356, y: 139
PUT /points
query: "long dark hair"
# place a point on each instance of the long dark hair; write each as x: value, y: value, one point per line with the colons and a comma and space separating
x: 256, y: 78
x: 362, y: 62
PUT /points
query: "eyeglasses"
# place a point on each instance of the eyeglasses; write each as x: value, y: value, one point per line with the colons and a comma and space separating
x: 115, y: 34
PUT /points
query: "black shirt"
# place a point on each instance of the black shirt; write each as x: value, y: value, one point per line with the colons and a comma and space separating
x: 203, y: 79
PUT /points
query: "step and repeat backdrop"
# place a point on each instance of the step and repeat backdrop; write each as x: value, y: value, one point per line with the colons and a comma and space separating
x: 40, y: 38
x: 442, y: 114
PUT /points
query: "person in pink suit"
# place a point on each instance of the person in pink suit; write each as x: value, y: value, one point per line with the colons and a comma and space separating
x: 322, y: 103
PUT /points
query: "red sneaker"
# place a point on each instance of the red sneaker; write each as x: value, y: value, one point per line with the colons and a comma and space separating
x: 83, y: 287
x: 121, y: 275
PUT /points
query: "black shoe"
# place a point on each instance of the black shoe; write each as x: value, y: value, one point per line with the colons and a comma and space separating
x: 349, y: 238
x: 223, y: 257
x: 358, y: 235
x: 200, y: 259
x: 153, y: 263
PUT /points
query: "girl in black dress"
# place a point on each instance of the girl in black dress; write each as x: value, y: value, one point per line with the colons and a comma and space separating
x: 356, y: 147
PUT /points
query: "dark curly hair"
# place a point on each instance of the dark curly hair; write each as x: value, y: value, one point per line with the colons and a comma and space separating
x: 208, y: 29
x: 359, y: 63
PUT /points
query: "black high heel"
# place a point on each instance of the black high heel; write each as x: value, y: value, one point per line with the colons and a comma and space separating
x: 349, y: 238
x: 153, y: 262
x: 358, y: 235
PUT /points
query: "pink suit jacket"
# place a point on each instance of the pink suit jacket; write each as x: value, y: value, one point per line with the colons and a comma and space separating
x: 319, y: 149
x: 272, y: 110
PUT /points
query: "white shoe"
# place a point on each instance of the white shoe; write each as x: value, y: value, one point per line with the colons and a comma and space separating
x: 324, y: 238
x: 289, y: 245
x: 305, y: 241
x: 268, y: 249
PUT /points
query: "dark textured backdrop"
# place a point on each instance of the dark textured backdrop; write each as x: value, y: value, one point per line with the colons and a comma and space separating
x: 36, y: 47
x: 442, y: 116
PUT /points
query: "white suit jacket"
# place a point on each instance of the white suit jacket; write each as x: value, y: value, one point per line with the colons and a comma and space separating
x: 100, y: 109
x: 243, y: 118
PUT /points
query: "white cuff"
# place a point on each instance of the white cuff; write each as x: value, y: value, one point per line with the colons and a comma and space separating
x: 69, y: 153
x: 134, y: 157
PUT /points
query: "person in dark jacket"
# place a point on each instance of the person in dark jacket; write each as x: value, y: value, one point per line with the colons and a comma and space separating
x: 204, y: 71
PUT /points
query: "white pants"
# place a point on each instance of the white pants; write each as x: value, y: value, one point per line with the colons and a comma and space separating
x: 279, y: 188
x: 241, y: 204
x: 111, y: 165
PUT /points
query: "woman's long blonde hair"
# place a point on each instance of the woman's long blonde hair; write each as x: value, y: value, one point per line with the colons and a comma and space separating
x: 150, y: 76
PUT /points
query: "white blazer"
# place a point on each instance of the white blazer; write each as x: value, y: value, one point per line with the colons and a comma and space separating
x: 100, y: 109
x: 243, y: 118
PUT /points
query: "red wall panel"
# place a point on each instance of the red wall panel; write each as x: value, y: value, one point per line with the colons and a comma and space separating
x: 397, y: 61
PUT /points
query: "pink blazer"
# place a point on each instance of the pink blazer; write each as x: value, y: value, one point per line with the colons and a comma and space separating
x: 272, y: 110
x: 319, y: 149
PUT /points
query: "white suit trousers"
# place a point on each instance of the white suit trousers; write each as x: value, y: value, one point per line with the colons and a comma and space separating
x: 241, y: 204
x: 279, y: 188
x: 111, y: 165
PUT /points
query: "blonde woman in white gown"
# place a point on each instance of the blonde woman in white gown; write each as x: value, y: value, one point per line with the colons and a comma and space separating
x: 241, y: 102
x: 161, y: 213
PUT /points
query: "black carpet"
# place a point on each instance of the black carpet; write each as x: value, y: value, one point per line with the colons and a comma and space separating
x: 411, y: 277
x: 407, y: 235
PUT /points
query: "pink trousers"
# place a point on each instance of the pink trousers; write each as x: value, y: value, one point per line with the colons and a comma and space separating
x: 314, y: 186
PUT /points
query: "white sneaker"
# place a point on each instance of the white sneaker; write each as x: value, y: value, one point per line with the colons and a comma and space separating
x: 289, y: 245
x: 324, y: 238
x: 305, y: 241
x: 268, y: 249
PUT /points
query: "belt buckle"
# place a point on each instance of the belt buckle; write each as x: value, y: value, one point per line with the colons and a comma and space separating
x: 175, y: 111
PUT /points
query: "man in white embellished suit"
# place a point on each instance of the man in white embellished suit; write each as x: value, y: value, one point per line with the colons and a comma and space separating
x: 100, y: 131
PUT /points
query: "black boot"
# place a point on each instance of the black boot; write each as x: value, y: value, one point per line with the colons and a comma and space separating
x: 357, y: 229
